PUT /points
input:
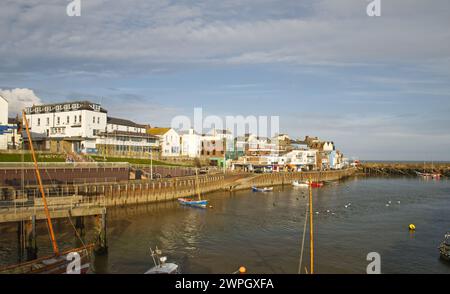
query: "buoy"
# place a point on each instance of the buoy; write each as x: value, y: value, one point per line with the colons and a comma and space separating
x: 242, y: 270
x: 412, y: 227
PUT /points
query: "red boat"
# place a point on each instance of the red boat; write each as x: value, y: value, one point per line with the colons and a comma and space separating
x: 316, y: 184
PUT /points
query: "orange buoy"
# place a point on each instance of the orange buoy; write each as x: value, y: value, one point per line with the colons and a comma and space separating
x: 242, y: 270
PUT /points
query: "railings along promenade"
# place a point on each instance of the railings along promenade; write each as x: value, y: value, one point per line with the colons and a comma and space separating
x: 165, y: 189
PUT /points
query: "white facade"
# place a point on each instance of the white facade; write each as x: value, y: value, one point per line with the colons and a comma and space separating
x: 123, y: 125
x: 190, y: 143
x: 170, y: 143
x: 302, y: 158
x: 125, y: 137
x: 3, y: 111
x: 81, y: 121
x: 8, y: 131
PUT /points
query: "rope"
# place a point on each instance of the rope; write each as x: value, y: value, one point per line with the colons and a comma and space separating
x: 303, y: 241
x: 77, y: 234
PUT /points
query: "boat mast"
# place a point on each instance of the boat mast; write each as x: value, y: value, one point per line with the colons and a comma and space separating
x: 311, y: 228
x: 197, y: 184
x: 41, y: 188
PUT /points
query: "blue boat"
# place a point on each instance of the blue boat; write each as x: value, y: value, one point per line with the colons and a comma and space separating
x: 192, y: 202
x: 256, y: 189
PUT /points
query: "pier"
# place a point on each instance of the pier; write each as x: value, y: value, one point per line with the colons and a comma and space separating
x: 403, y: 168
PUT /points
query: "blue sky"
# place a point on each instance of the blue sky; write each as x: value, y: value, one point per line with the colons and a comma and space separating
x: 379, y: 87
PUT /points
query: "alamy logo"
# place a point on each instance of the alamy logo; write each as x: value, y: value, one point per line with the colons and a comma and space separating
x: 74, y: 8
x: 374, y: 8
x: 374, y: 267
x: 74, y: 266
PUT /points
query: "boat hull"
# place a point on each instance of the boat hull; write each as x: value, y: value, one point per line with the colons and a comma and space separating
x: 264, y: 190
x: 195, y: 203
x: 52, y: 264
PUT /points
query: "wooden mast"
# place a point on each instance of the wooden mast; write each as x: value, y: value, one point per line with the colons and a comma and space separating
x: 41, y: 188
x: 311, y: 228
x: 197, y: 185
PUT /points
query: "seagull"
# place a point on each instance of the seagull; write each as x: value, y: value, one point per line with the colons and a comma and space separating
x: 398, y: 202
x: 387, y: 205
x: 328, y: 211
x: 389, y: 201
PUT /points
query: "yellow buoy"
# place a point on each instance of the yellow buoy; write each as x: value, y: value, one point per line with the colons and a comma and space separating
x: 242, y: 270
x: 412, y: 227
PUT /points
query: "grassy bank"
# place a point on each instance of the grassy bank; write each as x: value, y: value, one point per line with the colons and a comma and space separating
x: 17, y: 157
x: 134, y: 161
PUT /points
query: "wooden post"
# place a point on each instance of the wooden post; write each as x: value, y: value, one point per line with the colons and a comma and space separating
x: 31, y: 239
x: 101, y: 246
x: 79, y: 226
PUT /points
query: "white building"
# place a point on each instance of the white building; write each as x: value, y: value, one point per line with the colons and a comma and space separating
x: 72, y: 126
x: 9, y: 138
x: 169, y: 141
x: 190, y: 143
x: 302, y: 159
x: 126, y: 138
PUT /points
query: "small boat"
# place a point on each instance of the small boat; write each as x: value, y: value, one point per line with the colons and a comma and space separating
x: 265, y: 189
x: 161, y: 267
x: 316, y: 184
x: 192, y: 202
x: 202, y: 203
x: 300, y: 184
x: 444, y: 248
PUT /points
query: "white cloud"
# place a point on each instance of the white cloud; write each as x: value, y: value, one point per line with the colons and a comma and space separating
x: 18, y: 99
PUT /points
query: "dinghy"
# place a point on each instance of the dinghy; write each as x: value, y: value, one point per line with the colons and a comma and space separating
x: 265, y: 189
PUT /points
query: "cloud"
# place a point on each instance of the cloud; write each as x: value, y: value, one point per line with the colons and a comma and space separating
x: 147, y: 35
x: 18, y: 99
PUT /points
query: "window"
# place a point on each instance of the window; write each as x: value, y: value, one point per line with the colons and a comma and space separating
x: 74, y: 119
x: 58, y: 120
x: 79, y: 118
x: 48, y: 121
x: 98, y: 120
x: 93, y: 119
x: 68, y: 119
x: 39, y: 122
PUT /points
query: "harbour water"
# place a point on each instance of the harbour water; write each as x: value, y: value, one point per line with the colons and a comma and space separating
x: 263, y: 231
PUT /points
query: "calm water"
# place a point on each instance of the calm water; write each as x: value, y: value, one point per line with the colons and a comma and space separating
x: 263, y: 231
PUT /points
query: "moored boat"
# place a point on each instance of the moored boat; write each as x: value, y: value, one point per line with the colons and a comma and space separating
x: 316, y: 184
x: 444, y: 248
x: 300, y: 184
x: 192, y: 202
x: 161, y: 267
x: 265, y: 189
x: 202, y: 203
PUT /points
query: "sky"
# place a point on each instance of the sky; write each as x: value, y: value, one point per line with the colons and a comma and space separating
x: 379, y: 87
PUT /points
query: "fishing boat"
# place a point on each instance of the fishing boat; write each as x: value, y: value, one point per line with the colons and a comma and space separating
x: 161, y: 266
x: 265, y: 189
x: 444, y: 248
x: 201, y: 203
x: 59, y: 262
x: 300, y: 184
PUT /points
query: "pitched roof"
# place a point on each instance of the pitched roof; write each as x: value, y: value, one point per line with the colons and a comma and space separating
x: 123, y: 122
x: 158, y: 131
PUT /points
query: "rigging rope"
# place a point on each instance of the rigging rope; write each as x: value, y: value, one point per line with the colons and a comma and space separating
x: 303, y: 241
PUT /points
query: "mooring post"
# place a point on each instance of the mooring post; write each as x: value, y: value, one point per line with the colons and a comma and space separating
x: 101, y: 246
x: 31, y: 239
x: 79, y: 225
x: 20, y: 241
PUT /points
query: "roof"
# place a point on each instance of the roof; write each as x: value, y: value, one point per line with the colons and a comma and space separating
x: 82, y: 105
x: 123, y: 122
x: 158, y: 131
